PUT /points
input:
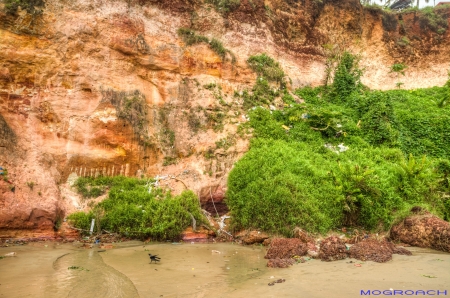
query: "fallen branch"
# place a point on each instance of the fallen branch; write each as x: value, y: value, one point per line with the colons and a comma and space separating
x: 212, y: 200
x: 194, y: 222
x: 206, y: 227
x: 77, y: 228
x: 176, y: 179
x: 320, y: 129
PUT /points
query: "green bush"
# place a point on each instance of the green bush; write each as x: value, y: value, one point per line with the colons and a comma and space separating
x: 277, y: 186
x: 136, y: 209
x: 81, y: 220
x: 377, y: 116
x: 433, y: 19
x: 347, y: 77
x: 395, y: 156
x: 421, y: 123
x: 267, y: 68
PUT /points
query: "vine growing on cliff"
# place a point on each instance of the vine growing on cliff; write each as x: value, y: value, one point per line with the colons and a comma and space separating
x: 347, y: 76
x: 225, y: 6
x: 267, y: 68
x: 190, y: 38
x: 132, y: 107
x: 33, y: 7
x: 399, y: 69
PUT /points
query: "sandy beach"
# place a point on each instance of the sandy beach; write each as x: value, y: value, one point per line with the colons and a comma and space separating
x: 205, y: 270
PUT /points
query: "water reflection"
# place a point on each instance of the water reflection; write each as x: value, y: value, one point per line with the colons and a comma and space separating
x: 89, y: 277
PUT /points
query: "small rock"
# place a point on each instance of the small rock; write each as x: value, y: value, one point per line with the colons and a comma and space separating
x: 251, y: 237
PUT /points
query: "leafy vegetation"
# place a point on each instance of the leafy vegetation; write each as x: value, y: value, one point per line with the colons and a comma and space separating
x: 131, y: 107
x: 5, y: 174
x: 347, y: 76
x: 264, y: 92
x: 267, y: 68
x: 348, y: 156
x: 190, y: 38
x: 433, y: 19
x: 168, y: 160
x: 30, y: 184
x: 225, y: 6
x: 261, y: 94
x: 215, y: 119
x: 136, y: 208
x: 33, y: 7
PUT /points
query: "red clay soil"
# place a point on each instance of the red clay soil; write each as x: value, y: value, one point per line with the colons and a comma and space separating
x: 333, y: 248
x: 376, y: 250
x: 424, y: 231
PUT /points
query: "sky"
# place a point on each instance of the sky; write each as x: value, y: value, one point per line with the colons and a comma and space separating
x: 422, y: 3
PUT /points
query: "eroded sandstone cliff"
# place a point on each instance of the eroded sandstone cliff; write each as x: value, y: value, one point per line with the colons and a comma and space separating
x: 108, y: 87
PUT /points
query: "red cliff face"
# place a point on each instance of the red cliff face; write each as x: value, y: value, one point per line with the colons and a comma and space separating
x: 69, y: 77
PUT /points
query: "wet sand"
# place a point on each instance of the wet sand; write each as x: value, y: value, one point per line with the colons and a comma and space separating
x: 194, y: 270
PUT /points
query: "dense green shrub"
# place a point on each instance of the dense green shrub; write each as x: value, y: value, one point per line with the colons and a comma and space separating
x: 365, y: 150
x: 278, y: 186
x: 347, y: 77
x: 375, y: 111
x: 81, y: 220
x: 134, y: 208
x: 267, y: 68
x: 422, y: 125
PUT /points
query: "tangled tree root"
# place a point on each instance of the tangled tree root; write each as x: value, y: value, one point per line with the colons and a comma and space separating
x: 376, y: 250
x: 282, y: 251
x: 424, y: 231
x: 332, y: 249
